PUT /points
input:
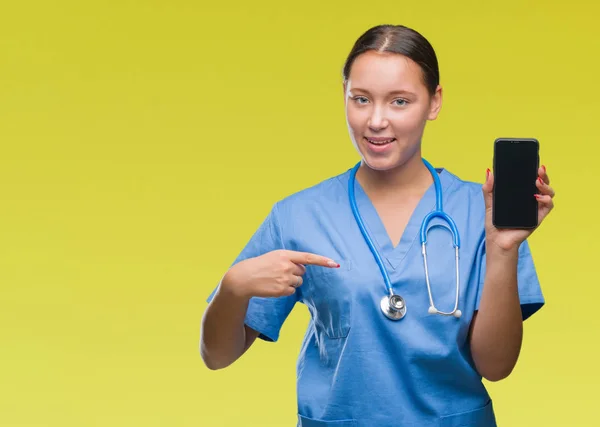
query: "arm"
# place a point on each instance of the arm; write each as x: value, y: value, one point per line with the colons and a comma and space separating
x: 224, y: 336
x: 497, y: 328
x: 273, y: 279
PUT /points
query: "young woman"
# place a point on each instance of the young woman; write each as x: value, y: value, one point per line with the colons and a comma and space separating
x: 346, y: 245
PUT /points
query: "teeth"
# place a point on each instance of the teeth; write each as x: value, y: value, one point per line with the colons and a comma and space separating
x: 387, y: 141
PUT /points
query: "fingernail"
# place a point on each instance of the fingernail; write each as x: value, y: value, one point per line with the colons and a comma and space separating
x: 332, y: 264
x: 487, y: 173
x: 537, y: 196
x: 540, y: 180
x: 544, y: 167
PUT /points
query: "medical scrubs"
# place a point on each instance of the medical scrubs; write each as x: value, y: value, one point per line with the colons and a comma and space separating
x: 356, y: 367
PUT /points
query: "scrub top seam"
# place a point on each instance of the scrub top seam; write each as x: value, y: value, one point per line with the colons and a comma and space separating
x: 277, y: 225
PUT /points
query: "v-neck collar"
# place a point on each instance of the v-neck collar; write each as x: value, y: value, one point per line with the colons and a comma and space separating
x: 376, y: 230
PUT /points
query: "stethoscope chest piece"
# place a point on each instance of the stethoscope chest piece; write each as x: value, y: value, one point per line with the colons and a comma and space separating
x: 393, y: 306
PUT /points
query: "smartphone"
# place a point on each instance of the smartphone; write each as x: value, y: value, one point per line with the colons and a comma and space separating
x: 516, y: 163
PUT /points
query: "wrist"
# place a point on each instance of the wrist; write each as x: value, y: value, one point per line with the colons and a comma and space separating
x: 495, y: 250
x: 231, y: 288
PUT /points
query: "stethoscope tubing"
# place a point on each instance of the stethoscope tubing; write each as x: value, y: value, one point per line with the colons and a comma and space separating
x: 437, y: 213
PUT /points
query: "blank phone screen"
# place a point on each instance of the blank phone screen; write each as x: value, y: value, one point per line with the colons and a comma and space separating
x: 516, y: 165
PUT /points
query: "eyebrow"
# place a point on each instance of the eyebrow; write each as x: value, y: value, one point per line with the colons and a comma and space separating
x: 394, y: 92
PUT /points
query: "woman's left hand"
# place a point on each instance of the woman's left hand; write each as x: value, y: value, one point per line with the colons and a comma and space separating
x: 507, y: 239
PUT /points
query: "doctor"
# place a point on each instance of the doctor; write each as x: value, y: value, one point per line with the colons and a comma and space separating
x: 358, y: 366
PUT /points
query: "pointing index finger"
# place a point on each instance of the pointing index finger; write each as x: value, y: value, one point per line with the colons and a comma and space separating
x: 307, y: 258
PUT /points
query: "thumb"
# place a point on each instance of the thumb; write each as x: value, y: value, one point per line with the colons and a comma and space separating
x: 487, y: 189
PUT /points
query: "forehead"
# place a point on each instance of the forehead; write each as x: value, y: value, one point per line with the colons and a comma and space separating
x: 384, y: 72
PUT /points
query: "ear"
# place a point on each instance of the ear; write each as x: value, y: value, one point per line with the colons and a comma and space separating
x: 435, y: 104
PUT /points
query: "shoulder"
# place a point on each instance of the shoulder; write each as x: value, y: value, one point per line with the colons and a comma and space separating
x: 464, y: 202
x: 328, y: 194
x: 469, y: 191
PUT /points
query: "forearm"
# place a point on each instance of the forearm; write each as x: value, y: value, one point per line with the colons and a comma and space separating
x: 223, y: 335
x: 497, y: 330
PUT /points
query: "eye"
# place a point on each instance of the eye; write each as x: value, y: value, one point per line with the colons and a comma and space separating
x: 360, y: 99
x: 400, y: 102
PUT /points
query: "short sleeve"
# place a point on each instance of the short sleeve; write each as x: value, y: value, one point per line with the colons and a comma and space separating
x: 265, y: 315
x: 530, y: 292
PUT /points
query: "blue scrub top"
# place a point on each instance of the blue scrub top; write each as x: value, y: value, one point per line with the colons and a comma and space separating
x: 356, y: 367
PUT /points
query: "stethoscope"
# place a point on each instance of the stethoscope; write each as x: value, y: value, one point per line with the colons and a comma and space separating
x: 393, y: 305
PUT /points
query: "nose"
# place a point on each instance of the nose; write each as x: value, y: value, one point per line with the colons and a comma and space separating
x: 377, y: 119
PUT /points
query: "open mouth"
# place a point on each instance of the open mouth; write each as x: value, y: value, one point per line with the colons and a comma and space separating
x: 379, y: 141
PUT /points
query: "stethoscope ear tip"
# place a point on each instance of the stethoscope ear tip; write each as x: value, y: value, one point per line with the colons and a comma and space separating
x: 457, y: 313
x: 432, y: 310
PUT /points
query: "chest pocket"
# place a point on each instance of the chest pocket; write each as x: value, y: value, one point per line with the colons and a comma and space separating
x: 328, y: 296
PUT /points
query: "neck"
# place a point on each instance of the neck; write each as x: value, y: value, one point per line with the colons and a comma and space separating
x: 410, y: 179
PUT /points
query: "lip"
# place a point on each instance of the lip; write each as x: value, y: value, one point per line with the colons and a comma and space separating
x: 376, y: 149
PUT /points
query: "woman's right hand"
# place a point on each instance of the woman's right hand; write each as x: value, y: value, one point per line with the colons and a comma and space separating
x: 274, y: 274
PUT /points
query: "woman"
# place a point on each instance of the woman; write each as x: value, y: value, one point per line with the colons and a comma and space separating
x: 358, y: 367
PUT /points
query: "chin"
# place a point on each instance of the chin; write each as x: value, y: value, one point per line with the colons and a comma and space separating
x: 382, y: 163
x: 391, y: 160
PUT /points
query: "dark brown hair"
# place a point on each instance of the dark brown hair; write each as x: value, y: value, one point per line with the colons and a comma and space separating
x: 401, y: 40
